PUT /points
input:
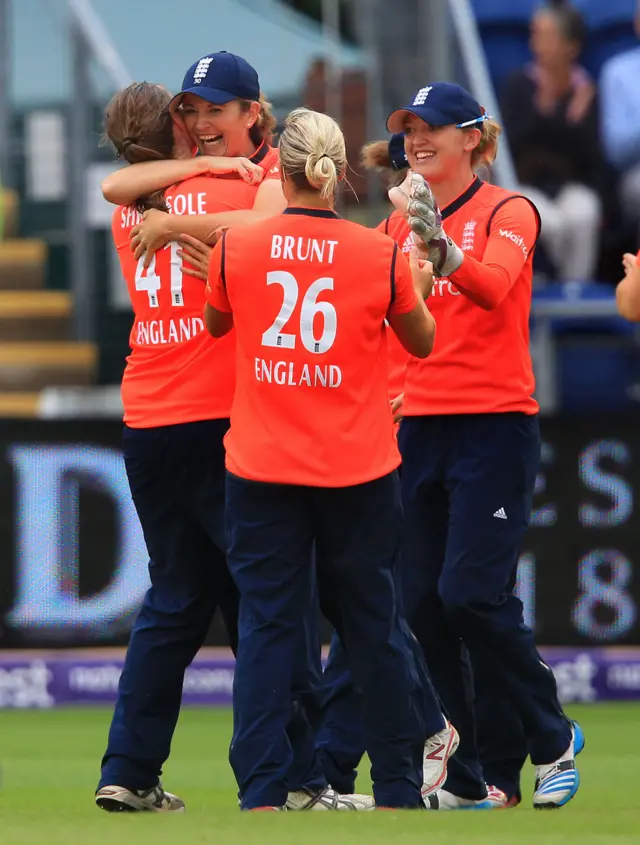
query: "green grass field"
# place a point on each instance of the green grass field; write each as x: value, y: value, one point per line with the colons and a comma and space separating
x: 50, y: 762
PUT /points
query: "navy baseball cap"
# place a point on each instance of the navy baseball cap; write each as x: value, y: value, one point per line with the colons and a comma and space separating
x: 396, y: 152
x: 220, y: 78
x: 440, y: 104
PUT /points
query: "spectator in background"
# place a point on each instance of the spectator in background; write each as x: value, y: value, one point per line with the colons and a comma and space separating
x: 550, y: 117
x: 621, y: 125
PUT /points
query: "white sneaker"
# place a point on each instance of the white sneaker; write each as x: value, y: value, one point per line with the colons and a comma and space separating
x: 499, y: 799
x: 437, y: 750
x: 558, y: 782
x: 328, y: 799
x: 117, y: 799
x: 443, y: 800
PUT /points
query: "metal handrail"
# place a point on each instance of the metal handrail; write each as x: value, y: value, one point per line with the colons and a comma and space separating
x: 100, y: 42
x: 544, y: 351
x: 88, y: 36
x: 480, y: 83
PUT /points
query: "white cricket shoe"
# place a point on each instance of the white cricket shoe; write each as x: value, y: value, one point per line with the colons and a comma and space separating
x: 437, y: 751
x: 558, y: 782
x: 328, y: 799
x: 499, y: 799
x: 117, y: 799
x: 443, y: 800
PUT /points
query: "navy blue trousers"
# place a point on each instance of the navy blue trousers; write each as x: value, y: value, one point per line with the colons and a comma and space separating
x: 176, y: 476
x: 502, y: 744
x: 467, y: 489
x: 177, y: 480
x: 356, y: 530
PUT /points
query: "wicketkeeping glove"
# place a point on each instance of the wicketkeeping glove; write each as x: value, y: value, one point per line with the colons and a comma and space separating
x: 416, y: 201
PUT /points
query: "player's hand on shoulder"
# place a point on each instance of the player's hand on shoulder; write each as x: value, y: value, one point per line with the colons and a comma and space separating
x: 249, y: 171
x: 197, y: 254
x: 151, y: 234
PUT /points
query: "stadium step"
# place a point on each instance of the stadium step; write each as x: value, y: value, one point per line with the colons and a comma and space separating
x: 26, y: 367
x: 19, y: 405
x: 35, y: 315
x: 10, y: 209
x: 22, y: 264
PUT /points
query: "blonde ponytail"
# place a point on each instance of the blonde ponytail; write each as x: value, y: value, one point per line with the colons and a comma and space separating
x: 321, y: 174
x: 312, y: 152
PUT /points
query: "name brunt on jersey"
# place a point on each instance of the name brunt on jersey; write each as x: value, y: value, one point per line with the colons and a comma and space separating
x: 314, y: 313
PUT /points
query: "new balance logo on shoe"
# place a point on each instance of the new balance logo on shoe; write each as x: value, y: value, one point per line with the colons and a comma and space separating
x: 500, y: 513
x: 436, y: 754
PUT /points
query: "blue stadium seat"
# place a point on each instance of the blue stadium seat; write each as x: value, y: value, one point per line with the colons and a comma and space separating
x: 506, y: 49
x: 602, y: 14
x: 504, y: 11
x: 597, y: 375
x: 504, y: 30
x: 596, y: 360
x: 606, y: 43
x: 575, y: 292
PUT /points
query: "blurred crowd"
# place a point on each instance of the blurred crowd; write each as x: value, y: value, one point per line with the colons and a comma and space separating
x: 575, y: 142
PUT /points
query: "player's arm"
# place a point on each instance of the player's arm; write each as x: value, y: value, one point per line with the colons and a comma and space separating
x: 514, y: 231
x: 218, y: 315
x: 124, y: 186
x: 628, y: 290
x: 408, y: 314
x: 158, y: 228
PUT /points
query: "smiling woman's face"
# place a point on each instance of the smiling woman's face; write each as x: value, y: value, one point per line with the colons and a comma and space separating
x: 218, y: 130
x: 433, y: 151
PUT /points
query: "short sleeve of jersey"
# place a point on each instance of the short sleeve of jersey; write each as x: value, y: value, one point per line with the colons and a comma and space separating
x: 273, y: 172
x: 271, y: 165
x: 405, y: 297
x: 215, y: 289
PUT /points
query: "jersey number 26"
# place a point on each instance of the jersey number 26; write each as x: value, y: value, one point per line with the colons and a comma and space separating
x: 274, y: 336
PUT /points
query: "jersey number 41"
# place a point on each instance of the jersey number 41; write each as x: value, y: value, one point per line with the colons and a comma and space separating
x: 150, y: 281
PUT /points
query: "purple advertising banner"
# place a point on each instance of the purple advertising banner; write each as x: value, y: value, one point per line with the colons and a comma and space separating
x: 69, y: 678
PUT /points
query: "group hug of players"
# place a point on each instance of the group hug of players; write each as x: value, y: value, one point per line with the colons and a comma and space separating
x: 262, y: 397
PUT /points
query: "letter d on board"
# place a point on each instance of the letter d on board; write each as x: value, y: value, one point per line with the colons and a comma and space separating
x: 48, y: 479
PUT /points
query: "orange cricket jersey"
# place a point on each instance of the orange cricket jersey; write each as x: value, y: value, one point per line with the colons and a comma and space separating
x: 176, y: 372
x: 309, y: 293
x: 397, y: 354
x: 481, y: 361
